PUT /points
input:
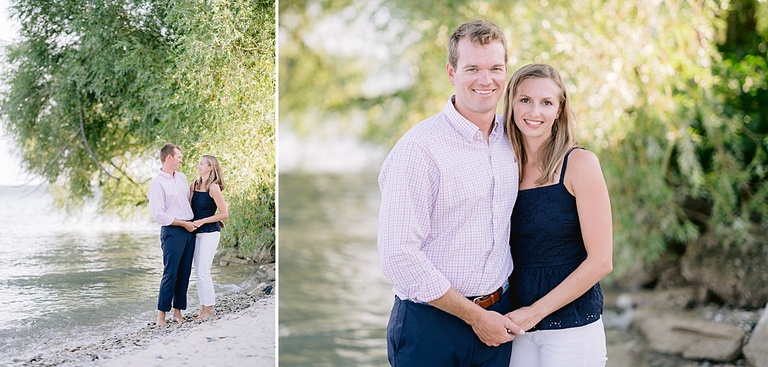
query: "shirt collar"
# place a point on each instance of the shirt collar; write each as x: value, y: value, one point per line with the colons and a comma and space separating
x: 466, y: 128
x: 497, y: 130
x: 165, y: 174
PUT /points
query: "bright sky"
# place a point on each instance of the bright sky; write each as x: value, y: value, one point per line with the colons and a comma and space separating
x: 9, y: 160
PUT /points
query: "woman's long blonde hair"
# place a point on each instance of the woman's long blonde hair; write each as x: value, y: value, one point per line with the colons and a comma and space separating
x: 214, y: 178
x: 563, y: 130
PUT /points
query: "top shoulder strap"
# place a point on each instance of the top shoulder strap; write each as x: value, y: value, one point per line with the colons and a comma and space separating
x: 565, y: 163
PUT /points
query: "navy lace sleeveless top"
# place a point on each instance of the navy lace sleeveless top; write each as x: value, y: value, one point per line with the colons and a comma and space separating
x: 547, y: 246
x: 204, y: 206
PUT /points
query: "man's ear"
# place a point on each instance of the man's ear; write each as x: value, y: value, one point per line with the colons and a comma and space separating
x: 451, y: 73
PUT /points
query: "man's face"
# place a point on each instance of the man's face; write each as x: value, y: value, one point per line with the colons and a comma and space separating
x: 478, y: 78
x: 174, y: 161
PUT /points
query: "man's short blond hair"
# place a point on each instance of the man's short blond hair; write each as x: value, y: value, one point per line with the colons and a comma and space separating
x: 479, y: 31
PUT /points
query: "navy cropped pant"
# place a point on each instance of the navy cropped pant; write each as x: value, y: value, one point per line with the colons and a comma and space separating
x: 421, y: 335
x: 178, y: 251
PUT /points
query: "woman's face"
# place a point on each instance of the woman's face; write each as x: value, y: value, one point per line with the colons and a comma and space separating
x: 203, y: 167
x: 536, y: 106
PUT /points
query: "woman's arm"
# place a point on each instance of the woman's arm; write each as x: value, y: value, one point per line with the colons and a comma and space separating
x: 223, y: 212
x: 191, y: 191
x: 584, y: 179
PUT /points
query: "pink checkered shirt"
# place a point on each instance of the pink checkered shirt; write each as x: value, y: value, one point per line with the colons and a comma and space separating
x: 447, y: 198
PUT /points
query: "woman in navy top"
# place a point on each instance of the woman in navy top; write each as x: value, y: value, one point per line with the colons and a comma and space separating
x: 561, y: 233
x: 206, y: 199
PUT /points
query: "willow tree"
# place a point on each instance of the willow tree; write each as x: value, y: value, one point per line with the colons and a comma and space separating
x: 96, y: 87
x: 656, y: 96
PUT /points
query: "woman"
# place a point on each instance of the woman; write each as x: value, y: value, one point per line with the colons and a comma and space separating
x: 561, y: 234
x: 206, y: 199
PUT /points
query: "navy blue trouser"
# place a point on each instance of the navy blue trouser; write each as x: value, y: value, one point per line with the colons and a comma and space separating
x: 178, y: 251
x: 421, y: 335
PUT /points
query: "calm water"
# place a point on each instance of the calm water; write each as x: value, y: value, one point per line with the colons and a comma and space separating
x: 65, y: 281
x: 334, y: 300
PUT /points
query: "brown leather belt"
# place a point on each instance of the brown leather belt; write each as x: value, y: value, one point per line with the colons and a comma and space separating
x: 489, y: 300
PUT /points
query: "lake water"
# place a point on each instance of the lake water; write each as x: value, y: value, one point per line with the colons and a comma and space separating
x: 66, y: 281
x: 334, y: 300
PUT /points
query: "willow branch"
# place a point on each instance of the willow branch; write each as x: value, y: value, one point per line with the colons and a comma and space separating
x: 125, y: 175
x: 85, y: 140
x: 56, y: 158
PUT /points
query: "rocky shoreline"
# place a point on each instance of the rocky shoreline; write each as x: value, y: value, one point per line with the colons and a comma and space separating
x: 679, y: 328
x: 228, y: 307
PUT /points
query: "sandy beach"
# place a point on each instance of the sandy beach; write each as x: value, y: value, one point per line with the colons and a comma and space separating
x: 246, y: 338
x: 241, y: 333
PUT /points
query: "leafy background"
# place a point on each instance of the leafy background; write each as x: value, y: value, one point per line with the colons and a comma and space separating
x: 671, y: 95
x: 95, y: 88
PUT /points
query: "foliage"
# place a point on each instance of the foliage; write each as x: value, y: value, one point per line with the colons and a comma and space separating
x: 677, y: 119
x: 95, y: 88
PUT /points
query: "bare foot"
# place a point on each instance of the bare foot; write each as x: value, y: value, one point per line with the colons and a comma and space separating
x: 206, y: 313
x: 203, y: 316
x: 161, y: 319
x: 177, y: 316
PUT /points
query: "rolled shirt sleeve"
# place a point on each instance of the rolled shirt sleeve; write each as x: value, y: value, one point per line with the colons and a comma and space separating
x: 407, y: 181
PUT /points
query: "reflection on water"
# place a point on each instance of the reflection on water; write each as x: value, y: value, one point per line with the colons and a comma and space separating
x: 334, y: 300
x: 65, y: 281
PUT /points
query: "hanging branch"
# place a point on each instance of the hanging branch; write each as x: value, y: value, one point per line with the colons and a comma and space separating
x: 56, y: 158
x: 125, y: 175
x: 85, y: 140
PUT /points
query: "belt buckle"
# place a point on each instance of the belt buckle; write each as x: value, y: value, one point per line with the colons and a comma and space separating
x: 479, y: 299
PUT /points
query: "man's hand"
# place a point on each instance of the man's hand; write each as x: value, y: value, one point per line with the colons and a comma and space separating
x: 189, y: 226
x: 494, y: 329
x: 491, y: 327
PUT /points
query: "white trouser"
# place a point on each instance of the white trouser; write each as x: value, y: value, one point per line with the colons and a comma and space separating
x: 582, y: 346
x: 205, y: 248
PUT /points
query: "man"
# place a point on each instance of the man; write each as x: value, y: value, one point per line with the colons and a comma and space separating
x: 448, y: 188
x: 169, y: 206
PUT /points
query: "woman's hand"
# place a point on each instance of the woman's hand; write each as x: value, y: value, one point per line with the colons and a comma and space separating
x: 526, y: 317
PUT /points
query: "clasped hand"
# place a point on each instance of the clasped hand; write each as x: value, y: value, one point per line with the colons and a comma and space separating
x: 525, y: 317
x: 495, y: 329
x: 192, y: 226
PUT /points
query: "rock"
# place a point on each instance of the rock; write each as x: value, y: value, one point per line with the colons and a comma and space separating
x: 756, y: 350
x: 642, y: 275
x: 238, y: 261
x: 666, y: 299
x: 670, y: 277
x: 731, y: 265
x: 269, y: 269
x: 637, y: 275
x: 684, y: 333
x: 618, y: 320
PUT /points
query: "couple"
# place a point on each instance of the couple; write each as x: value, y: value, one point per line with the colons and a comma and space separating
x: 448, y: 232
x: 190, y: 230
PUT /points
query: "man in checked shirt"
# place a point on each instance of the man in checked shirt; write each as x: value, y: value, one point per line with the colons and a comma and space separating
x: 448, y: 188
